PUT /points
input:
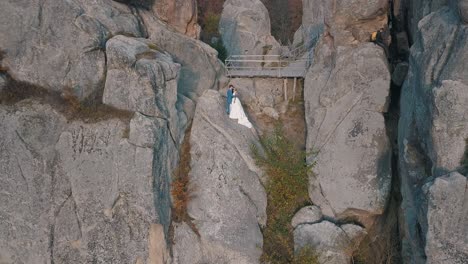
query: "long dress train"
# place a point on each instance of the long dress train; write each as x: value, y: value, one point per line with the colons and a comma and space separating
x: 237, y: 112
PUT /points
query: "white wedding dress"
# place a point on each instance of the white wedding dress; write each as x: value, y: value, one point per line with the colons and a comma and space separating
x: 237, y: 112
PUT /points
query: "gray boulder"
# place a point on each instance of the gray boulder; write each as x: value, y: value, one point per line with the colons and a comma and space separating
x: 433, y: 126
x: 307, y: 215
x: 332, y: 244
x: 229, y: 201
x: 447, y: 219
x: 346, y: 93
x: 60, y: 44
x: 245, y: 28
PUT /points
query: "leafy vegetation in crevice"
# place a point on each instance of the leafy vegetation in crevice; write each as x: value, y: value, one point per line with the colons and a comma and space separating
x: 211, y: 36
x: 180, y: 189
x: 287, y: 191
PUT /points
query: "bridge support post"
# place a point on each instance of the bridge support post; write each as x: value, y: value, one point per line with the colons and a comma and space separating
x: 285, y: 88
x: 294, y: 89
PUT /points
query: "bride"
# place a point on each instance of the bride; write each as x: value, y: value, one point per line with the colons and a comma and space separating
x: 237, y: 112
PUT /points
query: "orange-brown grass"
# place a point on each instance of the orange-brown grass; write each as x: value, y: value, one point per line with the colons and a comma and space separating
x: 181, y: 189
x: 89, y: 111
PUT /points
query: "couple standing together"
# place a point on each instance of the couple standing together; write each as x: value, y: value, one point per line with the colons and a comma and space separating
x: 234, y: 107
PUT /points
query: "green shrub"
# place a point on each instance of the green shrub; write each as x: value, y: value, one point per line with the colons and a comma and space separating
x: 306, y: 255
x: 210, y: 26
x: 287, y: 191
x: 222, y: 52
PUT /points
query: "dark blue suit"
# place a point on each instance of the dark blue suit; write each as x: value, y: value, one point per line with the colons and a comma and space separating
x: 229, y: 99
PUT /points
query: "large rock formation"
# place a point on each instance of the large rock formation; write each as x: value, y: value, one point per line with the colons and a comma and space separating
x: 346, y: 93
x: 229, y: 202
x: 181, y: 14
x: 80, y: 192
x: 94, y: 187
x: 190, y: 53
x: 432, y: 133
x: 344, y: 107
x: 61, y: 44
x: 245, y: 28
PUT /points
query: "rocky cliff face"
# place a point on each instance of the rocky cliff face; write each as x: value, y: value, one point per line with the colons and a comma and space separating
x: 93, y: 186
x: 346, y: 93
x: 245, y: 28
x: 229, y: 201
x: 76, y: 192
x: 432, y: 136
x: 181, y: 14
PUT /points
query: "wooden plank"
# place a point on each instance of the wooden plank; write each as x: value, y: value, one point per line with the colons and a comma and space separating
x: 285, y: 87
x: 294, y: 89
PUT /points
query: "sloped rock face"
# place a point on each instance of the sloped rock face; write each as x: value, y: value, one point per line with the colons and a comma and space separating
x: 181, y: 14
x: 344, y: 107
x: 432, y: 133
x: 229, y: 202
x: 245, y: 28
x: 60, y: 44
x: 87, y: 192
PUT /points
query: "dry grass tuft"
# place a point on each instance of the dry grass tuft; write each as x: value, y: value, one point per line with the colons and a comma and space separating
x: 181, y: 189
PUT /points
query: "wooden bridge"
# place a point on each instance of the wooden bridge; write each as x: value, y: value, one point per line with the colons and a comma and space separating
x: 293, y: 64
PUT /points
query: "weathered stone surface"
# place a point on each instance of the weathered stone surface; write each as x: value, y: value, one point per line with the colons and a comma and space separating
x: 463, y: 8
x: 181, y: 14
x: 229, y: 201
x: 157, y: 248
x: 345, y: 97
x: 29, y: 133
x: 332, y: 243
x: 75, y: 192
x: 307, y: 215
x: 433, y: 124
x: 60, y: 44
x: 186, y: 245
x: 347, y: 21
x: 447, y: 220
x: 200, y: 69
x: 259, y: 93
x: 138, y: 78
x: 245, y: 28
x: 143, y: 79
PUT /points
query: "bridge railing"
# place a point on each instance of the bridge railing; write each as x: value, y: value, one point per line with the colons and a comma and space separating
x: 267, y: 65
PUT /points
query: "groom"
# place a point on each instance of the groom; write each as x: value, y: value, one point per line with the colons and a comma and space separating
x: 229, y: 98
